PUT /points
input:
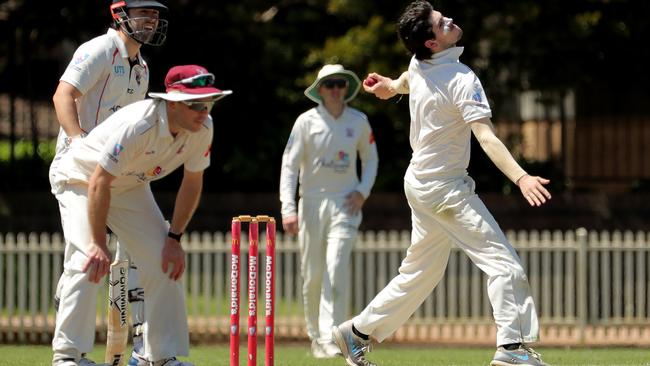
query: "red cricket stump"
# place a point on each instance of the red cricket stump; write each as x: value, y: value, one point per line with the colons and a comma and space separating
x: 253, y: 238
x: 269, y: 293
x: 269, y: 286
x: 234, y: 292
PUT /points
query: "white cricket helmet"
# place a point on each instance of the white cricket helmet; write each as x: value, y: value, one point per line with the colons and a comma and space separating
x: 139, y: 28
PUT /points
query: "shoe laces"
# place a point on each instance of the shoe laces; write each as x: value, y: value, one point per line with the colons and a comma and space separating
x: 367, y: 347
x: 169, y: 361
x: 363, y: 360
x: 532, y: 352
x: 360, y: 352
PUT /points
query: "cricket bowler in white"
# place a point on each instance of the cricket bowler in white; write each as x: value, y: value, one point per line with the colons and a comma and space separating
x: 104, y: 75
x: 103, y: 180
x: 322, y: 154
x: 447, y: 103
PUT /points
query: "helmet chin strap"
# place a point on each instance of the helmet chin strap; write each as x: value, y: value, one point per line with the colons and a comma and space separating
x: 155, y: 37
x: 126, y: 28
x: 133, y: 37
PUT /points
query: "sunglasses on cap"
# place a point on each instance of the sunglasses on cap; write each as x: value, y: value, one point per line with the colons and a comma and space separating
x: 199, y: 106
x: 334, y: 83
x: 196, y: 80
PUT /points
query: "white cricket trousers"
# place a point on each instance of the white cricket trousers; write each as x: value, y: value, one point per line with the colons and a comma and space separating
x: 137, y: 221
x: 327, y: 233
x: 444, y: 213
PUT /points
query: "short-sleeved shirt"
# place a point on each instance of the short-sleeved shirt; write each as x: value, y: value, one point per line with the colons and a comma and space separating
x: 324, y: 150
x: 136, y: 146
x: 101, y: 71
x: 445, y: 97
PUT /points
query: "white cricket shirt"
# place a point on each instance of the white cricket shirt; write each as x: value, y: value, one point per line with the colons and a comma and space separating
x: 135, y: 145
x: 321, y: 153
x: 101, y: 71
x: 445, y: 96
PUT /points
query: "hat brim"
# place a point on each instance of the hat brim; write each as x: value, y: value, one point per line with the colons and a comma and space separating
x: 180, y: 96
x: 354, y: 84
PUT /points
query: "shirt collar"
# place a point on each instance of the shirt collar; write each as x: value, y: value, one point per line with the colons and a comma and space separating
x: 119, y: 43
x: 447, y: 56
x: 323, y: 111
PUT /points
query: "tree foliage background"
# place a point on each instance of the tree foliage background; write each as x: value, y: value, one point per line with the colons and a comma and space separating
x: 269, y: 51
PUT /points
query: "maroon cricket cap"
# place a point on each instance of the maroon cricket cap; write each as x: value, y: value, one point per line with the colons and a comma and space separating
x: 188, y: 82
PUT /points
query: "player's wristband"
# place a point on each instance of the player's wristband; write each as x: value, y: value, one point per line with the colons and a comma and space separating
x: 175, y: 236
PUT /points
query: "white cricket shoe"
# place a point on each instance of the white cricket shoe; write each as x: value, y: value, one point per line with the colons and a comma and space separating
x: 137, y: 360
x: 352, y: 347
x: 82, y: 362
x: 324, y: 350
x: 521, y: 356
x: 88, y: 362
x: 331, y: 349
x: 172, y: 361
x: 317, y: 350
x: 65, y: 362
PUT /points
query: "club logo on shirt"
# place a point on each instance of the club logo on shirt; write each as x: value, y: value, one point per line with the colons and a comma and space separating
x: 154, y: 172
x: 117, y: 149
x: 349, y: 132
x: 138, y: 75
x: 79, y: 59
x: 477, y: 96
x: 340, y: 163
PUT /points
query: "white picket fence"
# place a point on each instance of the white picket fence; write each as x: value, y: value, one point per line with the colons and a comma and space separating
x: 583, y: 283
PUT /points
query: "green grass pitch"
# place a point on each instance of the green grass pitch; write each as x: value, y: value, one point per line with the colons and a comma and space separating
x: 384, y: 355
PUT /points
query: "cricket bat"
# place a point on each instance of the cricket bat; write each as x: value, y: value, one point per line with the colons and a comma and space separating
x: 118, y: 300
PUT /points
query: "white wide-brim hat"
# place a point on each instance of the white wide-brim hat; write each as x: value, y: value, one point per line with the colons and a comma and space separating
x: 354, y: 84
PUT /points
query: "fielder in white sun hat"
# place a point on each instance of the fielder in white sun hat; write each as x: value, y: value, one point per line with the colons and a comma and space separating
x: 187, y: 82
x: 328, y: 72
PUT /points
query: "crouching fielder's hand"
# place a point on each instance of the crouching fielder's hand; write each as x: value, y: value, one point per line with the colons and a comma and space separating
x: 98, y: 263
x: 173, y: 254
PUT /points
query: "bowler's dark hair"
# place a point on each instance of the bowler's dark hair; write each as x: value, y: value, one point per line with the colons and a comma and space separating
x: 414, y: 28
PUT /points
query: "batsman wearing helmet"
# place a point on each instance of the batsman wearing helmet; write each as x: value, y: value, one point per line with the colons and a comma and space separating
x: 104, y: 75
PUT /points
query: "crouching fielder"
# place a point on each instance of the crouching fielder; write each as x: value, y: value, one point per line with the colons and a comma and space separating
x: 104, y: 181
x: 447, y: 104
